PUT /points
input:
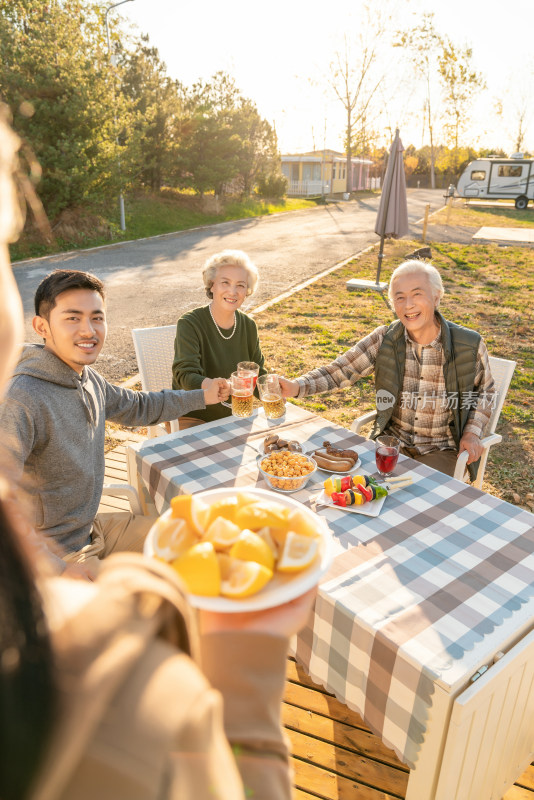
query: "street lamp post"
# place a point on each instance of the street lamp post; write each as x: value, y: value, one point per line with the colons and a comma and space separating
x: 121, y: 198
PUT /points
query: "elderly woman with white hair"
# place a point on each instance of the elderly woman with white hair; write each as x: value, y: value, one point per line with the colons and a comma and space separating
x: 211, y: 340
x: 433, y: 382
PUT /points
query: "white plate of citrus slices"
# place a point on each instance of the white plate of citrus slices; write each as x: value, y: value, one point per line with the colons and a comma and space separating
x: 241, y: 549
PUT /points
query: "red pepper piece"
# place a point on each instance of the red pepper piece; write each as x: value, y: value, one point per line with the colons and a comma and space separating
x: 367, y: 493
x: 339, y: 499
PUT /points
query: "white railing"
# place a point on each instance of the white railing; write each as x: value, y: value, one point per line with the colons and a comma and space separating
x: 307, y: 188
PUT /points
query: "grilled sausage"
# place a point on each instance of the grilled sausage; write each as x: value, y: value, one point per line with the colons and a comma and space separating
x: 324, y: 461
x: 334, y: 451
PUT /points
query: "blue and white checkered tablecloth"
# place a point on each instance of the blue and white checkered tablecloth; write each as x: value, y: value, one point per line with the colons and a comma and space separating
x: 411, y: 595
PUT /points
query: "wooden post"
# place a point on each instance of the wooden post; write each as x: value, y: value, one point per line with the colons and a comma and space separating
x: 449, y: 206
x: 425, y: 222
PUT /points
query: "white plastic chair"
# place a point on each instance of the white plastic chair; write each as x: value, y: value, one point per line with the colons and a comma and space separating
x: 124, y: 490
x: 502, y: 370
x: 154, y: 350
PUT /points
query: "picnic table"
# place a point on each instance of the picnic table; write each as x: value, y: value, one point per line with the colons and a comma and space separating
x: 423, y: 624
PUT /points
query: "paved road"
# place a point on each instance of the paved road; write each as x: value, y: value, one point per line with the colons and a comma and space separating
x: 153, y: 281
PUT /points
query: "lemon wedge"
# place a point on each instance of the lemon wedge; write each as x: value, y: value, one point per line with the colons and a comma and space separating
x: 226, y: 565
x: 172, y: 537
x: 298, y: 553
x: 262, y: 514
x: 223, y: 533
x: 265, y: 534
x: 193, y: 510
x: 199, y: 569
x: 278, y: 535
x: 244, y: 579
x: 227, y: 507
x: 300, y: 522
x: 251, y: 547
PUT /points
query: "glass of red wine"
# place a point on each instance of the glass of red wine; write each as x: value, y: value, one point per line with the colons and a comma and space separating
x: 386, y: 454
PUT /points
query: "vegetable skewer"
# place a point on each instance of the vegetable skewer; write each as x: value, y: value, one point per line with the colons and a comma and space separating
x: 360, y: 489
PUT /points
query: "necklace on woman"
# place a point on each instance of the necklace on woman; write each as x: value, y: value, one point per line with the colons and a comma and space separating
x: 220, y: 332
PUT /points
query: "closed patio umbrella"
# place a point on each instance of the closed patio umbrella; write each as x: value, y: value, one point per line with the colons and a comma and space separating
x: 392, y: 217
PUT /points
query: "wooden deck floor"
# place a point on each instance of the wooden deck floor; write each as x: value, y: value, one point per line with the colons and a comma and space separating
x: 335, y: 756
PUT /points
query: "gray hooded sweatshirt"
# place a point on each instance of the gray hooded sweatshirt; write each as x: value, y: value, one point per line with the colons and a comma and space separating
x: 52, y: 433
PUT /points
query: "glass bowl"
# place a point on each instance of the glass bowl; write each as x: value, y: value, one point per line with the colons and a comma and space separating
x: 285, y: 483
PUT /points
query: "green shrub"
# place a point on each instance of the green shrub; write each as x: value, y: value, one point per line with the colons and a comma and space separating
x: 273, y: 186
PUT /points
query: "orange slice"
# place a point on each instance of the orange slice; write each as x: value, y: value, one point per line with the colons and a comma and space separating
x: 199, y: 569
x: 244, y: 579
x: 298, y: 553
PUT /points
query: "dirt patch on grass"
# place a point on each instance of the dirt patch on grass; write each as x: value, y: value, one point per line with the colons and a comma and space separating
x: 77, y: 225
x: 73, y: 227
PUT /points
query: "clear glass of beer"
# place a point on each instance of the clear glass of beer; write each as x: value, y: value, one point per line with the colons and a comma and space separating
x: 271, y: 398
x: 242, y: 391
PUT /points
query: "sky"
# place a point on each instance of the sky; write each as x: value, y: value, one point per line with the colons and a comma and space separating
x: 280, y: 55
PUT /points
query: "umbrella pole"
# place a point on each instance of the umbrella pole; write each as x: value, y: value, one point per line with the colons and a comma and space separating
x: 380, y: 257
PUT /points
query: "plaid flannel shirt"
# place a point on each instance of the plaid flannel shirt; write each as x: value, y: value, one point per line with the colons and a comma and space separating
x: 423, y: 411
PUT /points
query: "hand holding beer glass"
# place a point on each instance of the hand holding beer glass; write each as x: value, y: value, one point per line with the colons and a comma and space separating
x: 242, y: 395
x: 271, y: 398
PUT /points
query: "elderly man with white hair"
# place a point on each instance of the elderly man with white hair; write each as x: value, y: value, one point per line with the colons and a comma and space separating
x: 433, y: 382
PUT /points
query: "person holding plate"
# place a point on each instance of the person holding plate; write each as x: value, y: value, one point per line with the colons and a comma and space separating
x: 213, y: 339
x: 107, y: 689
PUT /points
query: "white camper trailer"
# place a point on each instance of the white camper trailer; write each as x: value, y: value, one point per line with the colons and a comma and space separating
x: 495, y: 178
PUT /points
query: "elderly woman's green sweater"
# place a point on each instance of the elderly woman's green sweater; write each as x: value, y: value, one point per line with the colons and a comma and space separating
x: 201, y: 352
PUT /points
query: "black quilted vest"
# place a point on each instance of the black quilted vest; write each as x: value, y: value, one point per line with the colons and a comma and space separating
x: 460, y: 346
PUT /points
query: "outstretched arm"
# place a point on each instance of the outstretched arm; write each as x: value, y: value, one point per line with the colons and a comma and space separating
x: 215, y: 390
x: 289, y: 388
x: 356, y: 363
x: 245, y: 656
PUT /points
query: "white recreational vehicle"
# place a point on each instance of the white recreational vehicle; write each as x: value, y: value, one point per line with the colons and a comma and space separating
x: 494, y: 178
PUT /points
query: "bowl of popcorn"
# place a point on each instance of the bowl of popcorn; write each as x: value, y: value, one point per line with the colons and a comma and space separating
x: 286, y: 471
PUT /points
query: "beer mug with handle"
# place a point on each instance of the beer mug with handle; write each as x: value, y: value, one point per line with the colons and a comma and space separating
x: 242, y: 395
x: 271, y: 398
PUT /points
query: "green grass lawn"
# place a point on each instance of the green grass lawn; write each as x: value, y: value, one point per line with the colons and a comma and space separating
x: 488, y: 288
x: 495, y: 216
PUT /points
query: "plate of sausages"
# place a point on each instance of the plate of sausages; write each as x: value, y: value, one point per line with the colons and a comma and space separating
x: 334, y: 460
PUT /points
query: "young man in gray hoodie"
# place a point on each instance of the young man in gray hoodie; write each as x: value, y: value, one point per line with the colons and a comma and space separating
x: 53, y: 425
